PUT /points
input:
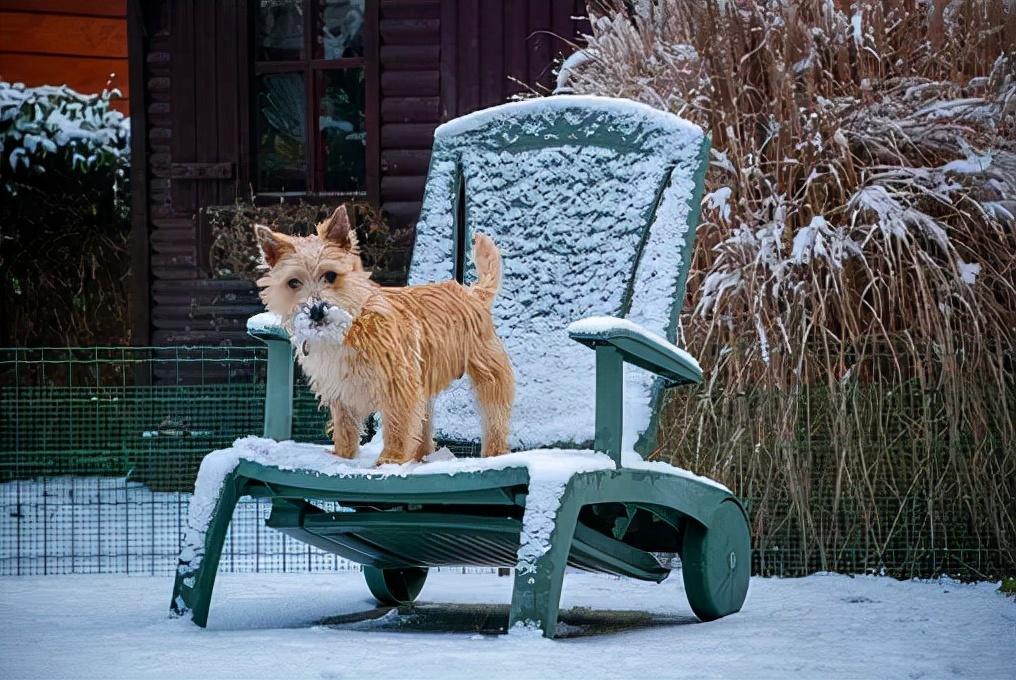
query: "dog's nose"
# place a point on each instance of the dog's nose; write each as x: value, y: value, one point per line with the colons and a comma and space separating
x: 317, y: 312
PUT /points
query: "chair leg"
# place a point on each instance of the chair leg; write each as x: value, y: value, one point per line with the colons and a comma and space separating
x: 537, y: 592
x: 192, y: 590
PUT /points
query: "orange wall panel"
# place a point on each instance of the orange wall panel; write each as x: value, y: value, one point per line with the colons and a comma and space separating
x: 91, y: 8
x: 62, y: 42
x: 63, y: 34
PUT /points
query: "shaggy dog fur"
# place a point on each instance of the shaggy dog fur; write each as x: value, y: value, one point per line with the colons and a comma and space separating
x: 367, y: 348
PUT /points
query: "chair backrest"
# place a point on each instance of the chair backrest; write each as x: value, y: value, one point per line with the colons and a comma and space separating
x: 593, y: 203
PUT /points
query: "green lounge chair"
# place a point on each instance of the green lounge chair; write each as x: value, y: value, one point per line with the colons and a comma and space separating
x: 593, y: 203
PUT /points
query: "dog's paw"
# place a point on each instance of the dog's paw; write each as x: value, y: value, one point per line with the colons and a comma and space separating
x: 345, y: 452
x: 390, y: 458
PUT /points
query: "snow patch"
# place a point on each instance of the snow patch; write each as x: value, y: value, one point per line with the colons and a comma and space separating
x: 969, y: 272
x: 605, y: 325
x: 632, y: 460
x: 718, y: 200
x: 821, y: 626
x: 548, y: 108
x: 856, y: 28
x: 570, y: 220
x: 568, y: 66
x: 821, y: 241
x: 974, y: 163
x: 263, y: 322
x: 44, y: 120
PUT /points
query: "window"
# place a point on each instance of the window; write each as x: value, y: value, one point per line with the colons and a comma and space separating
x: 311, y: 96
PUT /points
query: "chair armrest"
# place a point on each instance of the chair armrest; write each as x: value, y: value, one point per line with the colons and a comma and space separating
x: 638, y: 346
x: 266, y: 326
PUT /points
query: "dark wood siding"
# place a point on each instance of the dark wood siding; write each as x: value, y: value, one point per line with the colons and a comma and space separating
x: 436, y: 59
x: 445, y: 58
x: 410, y: 102
x: 198, y: 82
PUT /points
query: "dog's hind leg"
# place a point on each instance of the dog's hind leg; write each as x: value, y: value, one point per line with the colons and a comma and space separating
x: 345, y: 431
x: 491, y: 373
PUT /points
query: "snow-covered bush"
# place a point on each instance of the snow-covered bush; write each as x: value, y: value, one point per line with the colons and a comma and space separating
x: 64, y: 204
x: 856, y: 260
x: 41, y: 126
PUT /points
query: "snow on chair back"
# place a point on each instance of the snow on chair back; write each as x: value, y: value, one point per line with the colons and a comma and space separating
x: 590, y: 201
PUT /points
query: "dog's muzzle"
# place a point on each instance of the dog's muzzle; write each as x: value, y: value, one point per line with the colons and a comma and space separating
x: 318, y: 312
x: 318, y: 321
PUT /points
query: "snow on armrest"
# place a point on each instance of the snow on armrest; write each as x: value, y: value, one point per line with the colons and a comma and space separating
x: 638, y: 346
x: 266, y: 326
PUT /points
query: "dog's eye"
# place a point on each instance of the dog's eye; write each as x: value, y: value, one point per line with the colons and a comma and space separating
x: 330, y: 277
x: 294, y: 283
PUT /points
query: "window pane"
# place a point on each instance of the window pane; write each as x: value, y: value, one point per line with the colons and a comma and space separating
x: 282, y: 152
x: 342, y: 122
x: 340, y: 29
x: 280, y: 30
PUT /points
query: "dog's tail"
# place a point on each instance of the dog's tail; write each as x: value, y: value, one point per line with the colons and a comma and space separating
x: 488, y: 268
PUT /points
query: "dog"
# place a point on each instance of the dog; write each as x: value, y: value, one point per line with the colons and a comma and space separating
x: 366, y: 348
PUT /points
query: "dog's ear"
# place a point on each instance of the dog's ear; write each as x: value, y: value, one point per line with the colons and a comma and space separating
x: 338, y: 229
x: 273, y: 244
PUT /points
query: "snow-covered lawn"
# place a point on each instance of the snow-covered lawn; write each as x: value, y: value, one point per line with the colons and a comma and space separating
x: 325, y: 626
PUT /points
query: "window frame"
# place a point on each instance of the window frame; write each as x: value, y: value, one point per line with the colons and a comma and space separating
x: 312, y: 68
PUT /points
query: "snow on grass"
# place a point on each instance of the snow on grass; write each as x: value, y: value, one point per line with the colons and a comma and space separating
x: 719, y: 200
x: 972, y: 164
x: 820, y: 240
x: 264, y: 625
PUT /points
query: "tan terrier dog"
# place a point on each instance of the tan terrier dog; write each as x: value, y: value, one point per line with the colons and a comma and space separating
x: 366, y: 348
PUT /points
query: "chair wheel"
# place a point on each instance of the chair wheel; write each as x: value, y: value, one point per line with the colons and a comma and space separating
x: 717, y: 562
x: 395, y: 586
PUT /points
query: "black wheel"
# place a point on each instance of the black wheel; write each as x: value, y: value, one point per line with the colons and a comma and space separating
x: 395, y: 586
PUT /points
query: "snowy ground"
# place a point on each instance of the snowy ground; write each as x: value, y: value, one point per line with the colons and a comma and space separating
x: 324, y: 626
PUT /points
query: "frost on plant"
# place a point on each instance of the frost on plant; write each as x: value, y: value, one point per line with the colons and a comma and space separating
x: 36, y: 122
x: 857, y: 231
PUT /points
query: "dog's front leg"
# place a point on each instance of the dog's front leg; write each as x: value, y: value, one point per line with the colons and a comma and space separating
x: 402, y: 414
x: 345, y: 431
x: 427, y: 444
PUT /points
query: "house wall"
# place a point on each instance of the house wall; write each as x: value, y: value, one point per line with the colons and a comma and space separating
x: 435, y: 60
x: 73, y: 42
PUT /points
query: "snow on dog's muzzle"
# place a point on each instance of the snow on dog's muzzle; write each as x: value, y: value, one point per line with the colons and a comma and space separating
x: 318, y: 321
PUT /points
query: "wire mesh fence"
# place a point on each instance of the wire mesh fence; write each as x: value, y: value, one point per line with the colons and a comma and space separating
x: 100, y: 447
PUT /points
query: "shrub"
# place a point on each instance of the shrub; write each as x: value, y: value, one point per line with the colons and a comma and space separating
x: 852, y: 295
x: 234, y: 250
x: 63, y: 217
